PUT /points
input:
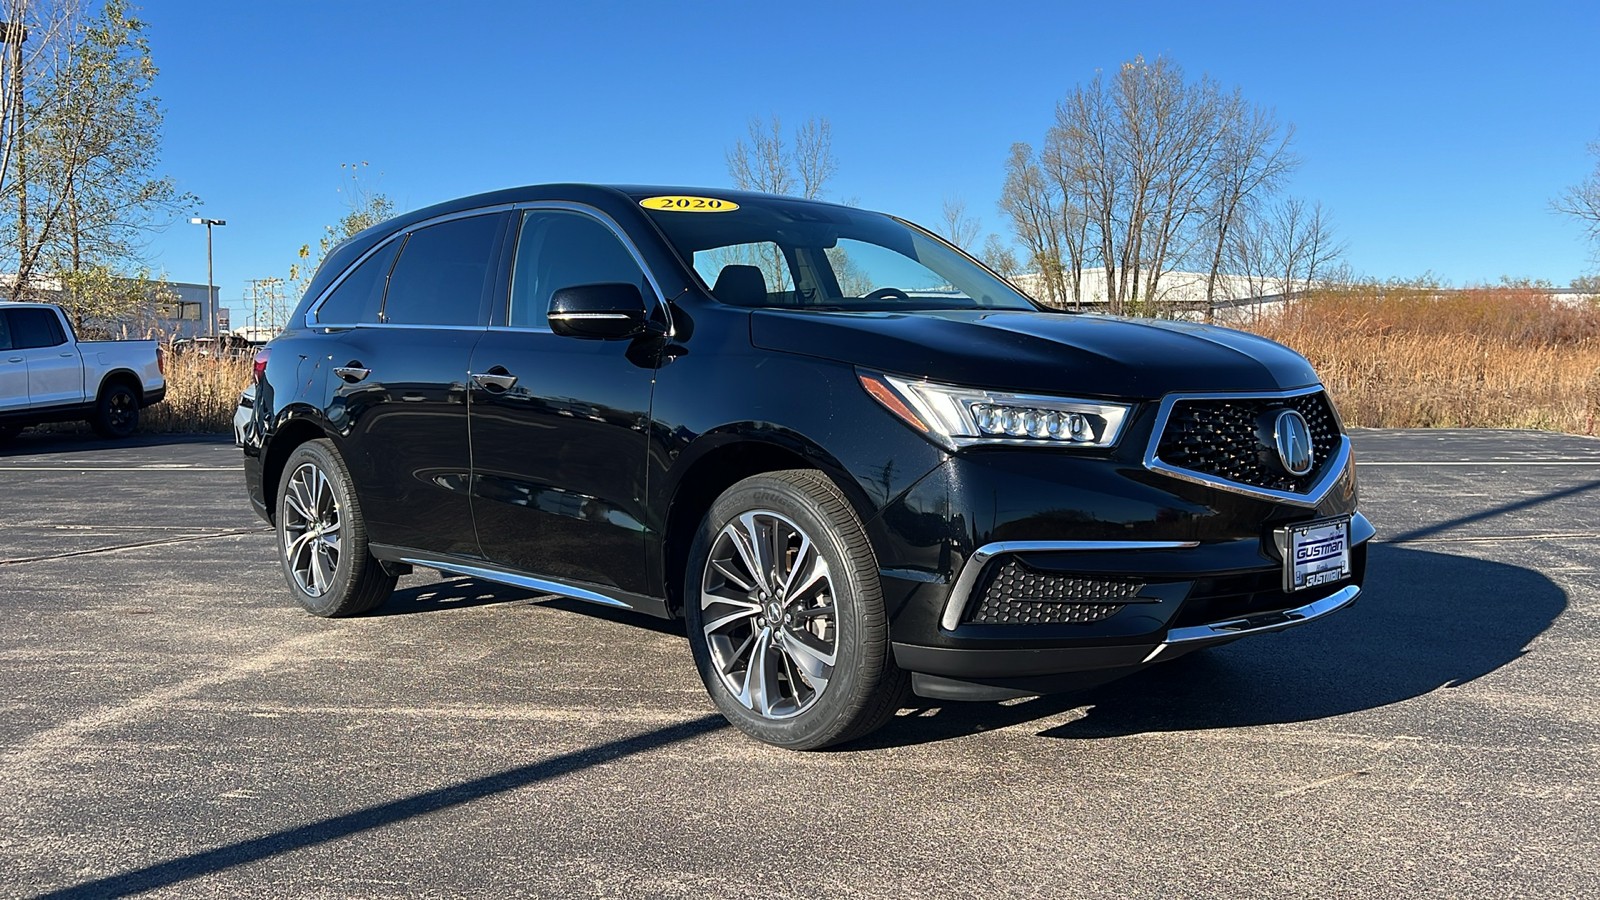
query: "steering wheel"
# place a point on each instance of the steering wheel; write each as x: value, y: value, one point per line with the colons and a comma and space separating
x: 887, y: 293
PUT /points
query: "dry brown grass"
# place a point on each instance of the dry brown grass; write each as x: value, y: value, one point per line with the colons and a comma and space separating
x: 202, y: 393
x: 1414, y: 357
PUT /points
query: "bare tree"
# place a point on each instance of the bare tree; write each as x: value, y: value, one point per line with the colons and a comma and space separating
x: 813, y: 159
x: 1582, y: 201
x: 1253, y: 160
x: 771, y: 165
x: 956, y: 226
x: 1033, y: 205
x: 1142, y: 172
x: 1288, y: 248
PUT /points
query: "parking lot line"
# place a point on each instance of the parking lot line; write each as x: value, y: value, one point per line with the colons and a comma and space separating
x: 1364, y: 464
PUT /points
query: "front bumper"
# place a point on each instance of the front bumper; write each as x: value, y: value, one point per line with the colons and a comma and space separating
x: 1194, y: 565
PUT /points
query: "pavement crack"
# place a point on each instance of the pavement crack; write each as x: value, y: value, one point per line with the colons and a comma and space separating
x: 115, y: 548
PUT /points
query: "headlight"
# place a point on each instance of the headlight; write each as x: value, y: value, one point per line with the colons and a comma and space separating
x: 956, y: 417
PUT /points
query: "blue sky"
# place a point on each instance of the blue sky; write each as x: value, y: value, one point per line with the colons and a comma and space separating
x: 1436, y: 134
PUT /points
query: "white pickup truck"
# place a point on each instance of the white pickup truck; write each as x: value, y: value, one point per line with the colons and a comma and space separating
x: 48, y: 375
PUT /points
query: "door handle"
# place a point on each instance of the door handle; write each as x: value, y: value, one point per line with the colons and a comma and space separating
x: 66, y: 356
x: 352, y: 373
x: 495, y: 380
x: 15, y: 359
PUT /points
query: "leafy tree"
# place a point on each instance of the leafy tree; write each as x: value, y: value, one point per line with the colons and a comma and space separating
x: 84, y: 172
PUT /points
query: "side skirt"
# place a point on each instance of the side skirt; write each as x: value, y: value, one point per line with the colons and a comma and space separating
x: 604, y: 595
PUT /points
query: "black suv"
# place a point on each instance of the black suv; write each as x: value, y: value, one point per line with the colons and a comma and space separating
x: 857, y: 462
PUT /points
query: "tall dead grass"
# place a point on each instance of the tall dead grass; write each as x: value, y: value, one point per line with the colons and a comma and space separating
x: 1418, y: 357
x: 202, y: 393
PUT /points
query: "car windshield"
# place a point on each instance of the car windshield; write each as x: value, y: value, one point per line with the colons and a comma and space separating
x: 795, y: 254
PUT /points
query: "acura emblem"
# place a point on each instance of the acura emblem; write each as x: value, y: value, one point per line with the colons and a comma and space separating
x: 1293, y: 437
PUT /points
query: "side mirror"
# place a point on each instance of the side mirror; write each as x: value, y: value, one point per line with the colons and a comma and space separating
x: 603, y: 311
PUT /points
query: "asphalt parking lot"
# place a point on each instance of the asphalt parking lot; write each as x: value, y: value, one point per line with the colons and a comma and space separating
x: 170, y: 723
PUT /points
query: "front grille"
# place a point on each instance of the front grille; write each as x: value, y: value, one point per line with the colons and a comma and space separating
x: 1219, y: 438
x: 1018, y: 594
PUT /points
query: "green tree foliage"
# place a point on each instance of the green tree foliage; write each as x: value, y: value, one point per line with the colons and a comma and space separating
x: 86, y: 165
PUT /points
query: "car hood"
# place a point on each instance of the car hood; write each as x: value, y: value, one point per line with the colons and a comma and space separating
x: 1045, y: 352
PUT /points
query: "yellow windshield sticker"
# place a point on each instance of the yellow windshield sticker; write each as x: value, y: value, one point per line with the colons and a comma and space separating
x: 689, y: 204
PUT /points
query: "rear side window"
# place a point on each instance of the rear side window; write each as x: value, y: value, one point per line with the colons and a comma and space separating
x: 5, y: 331
x: 559, y: 249
x: 444, y: 273
x: 35, y: 328
x: 359, y: 297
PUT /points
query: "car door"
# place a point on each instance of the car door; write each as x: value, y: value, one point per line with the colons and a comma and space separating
x: 559, y: 423
x: 55, y: 370
x: 404, y: 324
x: 13, y: 369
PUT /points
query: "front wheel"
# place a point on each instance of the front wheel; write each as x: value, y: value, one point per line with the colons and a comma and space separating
x: 785, y: 614
x: 322, y: 538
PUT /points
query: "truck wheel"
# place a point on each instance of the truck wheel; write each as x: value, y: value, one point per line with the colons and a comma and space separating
x: 785, y: 614
x: 117, y: 414
x: 322, y: 538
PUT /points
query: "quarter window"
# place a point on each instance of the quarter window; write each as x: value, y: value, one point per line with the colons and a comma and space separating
x: 443, y: 273
x: 559, y: 249
x: 359, y: 297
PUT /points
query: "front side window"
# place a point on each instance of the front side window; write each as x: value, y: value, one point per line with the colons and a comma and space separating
x: 560, y: 249
x: 5, y: 331
x: 778, y: 252
x: 359, y: 297
x: 443, y: 273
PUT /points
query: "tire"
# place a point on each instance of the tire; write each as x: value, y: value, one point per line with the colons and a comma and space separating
x: 799, y: 658
x: 322, y: 538
x: 7, y: 432
x: 116, y: 415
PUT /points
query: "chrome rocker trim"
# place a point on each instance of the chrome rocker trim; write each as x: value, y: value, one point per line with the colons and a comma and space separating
x: 961, y: 593
x: 1341, y: 456
x: 1260, y: 623
x: 515, y: 580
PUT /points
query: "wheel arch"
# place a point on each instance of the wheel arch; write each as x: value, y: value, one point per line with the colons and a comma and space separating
x: 120, y: 376
x: 294, y: 428
x: 721, y: 461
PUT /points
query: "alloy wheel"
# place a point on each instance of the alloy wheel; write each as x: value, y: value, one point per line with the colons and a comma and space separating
x: 767, y: 605
x: 311, y: 525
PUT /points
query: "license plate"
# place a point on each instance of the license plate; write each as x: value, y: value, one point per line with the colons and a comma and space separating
x: 1316, y: 553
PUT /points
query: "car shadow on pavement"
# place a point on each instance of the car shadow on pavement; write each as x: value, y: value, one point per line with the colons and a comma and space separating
x: 1424, y: 621
x: 338, y: 827
x: 460, y: 592
x: 42, y: 443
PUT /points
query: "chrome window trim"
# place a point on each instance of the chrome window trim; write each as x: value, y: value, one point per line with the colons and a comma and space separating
x: 311, y: 320
x: 597, y: 214
x: 960, y: 595
x: 1311, y: 498
x: 1260, y: 623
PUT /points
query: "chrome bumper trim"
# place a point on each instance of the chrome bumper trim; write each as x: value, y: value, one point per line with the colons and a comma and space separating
x: 968, y: 579
x: 1259, y: 624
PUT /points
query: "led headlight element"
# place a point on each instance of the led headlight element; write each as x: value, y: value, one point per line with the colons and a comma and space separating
x: 956, y: 417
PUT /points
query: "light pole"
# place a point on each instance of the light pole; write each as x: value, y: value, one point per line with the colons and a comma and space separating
x: 211, y: 291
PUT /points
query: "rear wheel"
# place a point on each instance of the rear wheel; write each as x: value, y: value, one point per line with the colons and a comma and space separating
x: 322, y: 538
x: 785, y: 614
x: 117, y: 413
